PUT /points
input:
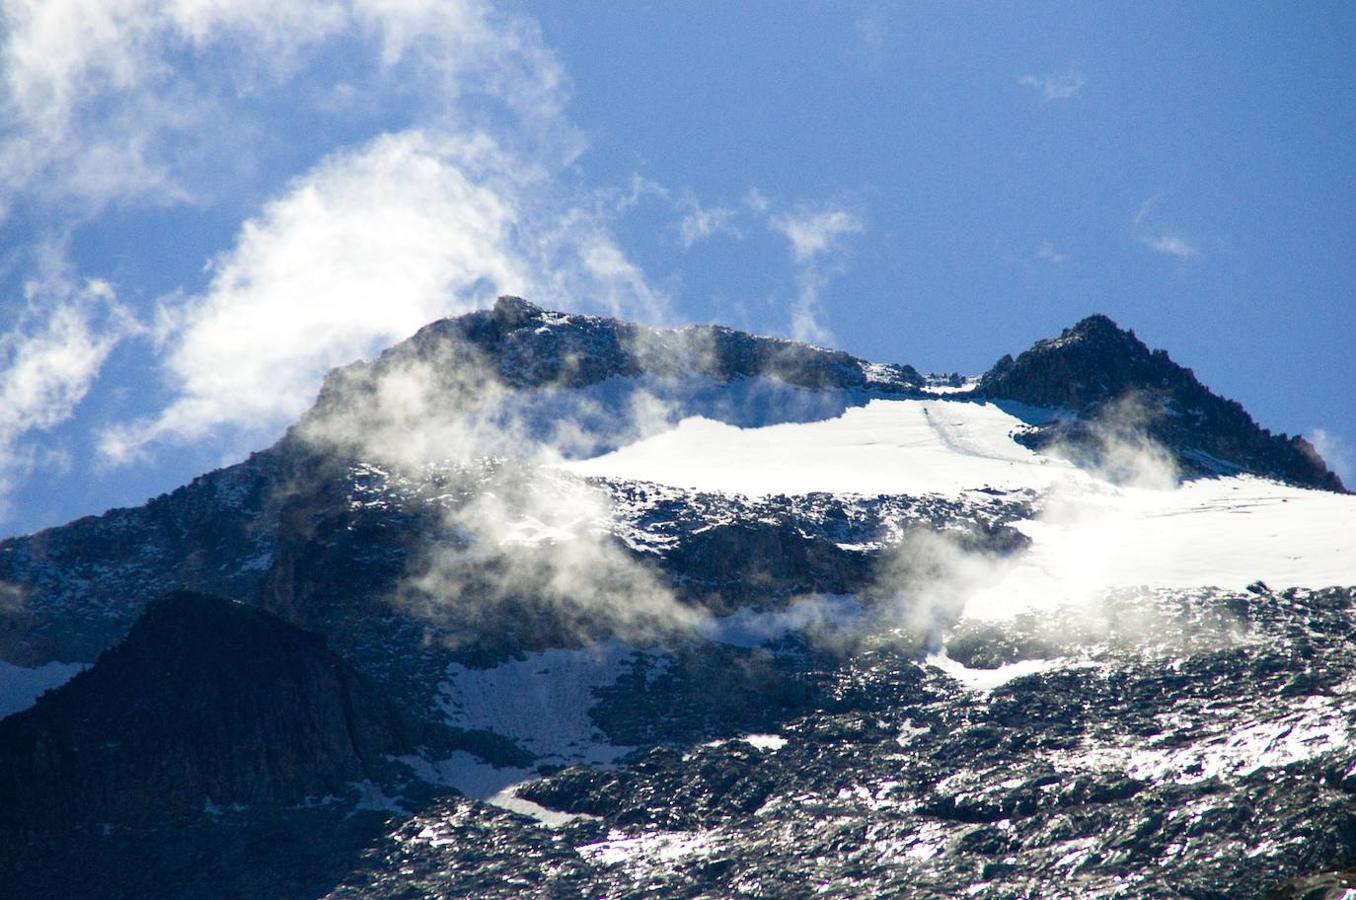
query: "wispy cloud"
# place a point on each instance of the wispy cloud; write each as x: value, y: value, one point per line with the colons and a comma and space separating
x: 1055, y: 87
x: 700, y: 223
x: 1047, y: 252
x: 49, y: 361
x: 366, y: 248
x: 1337, y: 453
x: 1167, y: 243
x: 373, y: 241
x: 1170, y: 245
x: 362, y: 251
x: 814, y: 234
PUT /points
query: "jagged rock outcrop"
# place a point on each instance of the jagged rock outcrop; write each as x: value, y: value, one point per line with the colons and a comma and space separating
x: 1121, y: 390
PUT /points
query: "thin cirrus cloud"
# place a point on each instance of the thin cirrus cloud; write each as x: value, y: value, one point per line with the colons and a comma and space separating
x: 1048, y: 252
x: 49, y: 361
x: 813, y: 232
x: 95, y: 113
x: 1170, y: 245
x: 1055, y: 87
x: 700, y: 223
x: 1164, y: 242
x: 814, y: 235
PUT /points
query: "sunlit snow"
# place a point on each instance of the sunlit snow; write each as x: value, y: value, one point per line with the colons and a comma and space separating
x: 1089, y: 536
x: 885, y: 447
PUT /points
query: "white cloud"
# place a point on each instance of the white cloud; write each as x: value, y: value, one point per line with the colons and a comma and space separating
x: 89, y: 94
x: 366, y: 248
x: 49, y: 361
x: 814, y: 235
x: 1056, y: 87
x: 1167, y: 243
x: 1337, y: 453
x: 755, y: 201
x: 814, y: 232
x: 106, y: 101
x: 1171, y: 245
x: 1047, y: 252
x: 362, y: 251
x: 701, y: 223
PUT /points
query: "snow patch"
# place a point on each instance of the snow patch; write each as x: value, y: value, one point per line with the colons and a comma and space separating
x: 1321, y: 725
x: 541, y: 701
x: 1222, y: 532
x: 657, y: 848
x: 884, y: 447
x: 984, y: 680
x: 489, y: 784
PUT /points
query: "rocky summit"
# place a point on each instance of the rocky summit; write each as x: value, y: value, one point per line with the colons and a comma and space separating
x: 1114, y: 384
x: 546, y: 605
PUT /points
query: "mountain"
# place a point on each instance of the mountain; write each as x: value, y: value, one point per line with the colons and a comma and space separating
x: 206, y: 701
x: 540, y: 604
x: 1111, y: 381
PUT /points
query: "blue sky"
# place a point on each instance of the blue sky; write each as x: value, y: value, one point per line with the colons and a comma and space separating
x: 205, y: 206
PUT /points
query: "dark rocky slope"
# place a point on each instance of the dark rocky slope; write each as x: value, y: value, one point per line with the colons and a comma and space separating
x: 207, y: 703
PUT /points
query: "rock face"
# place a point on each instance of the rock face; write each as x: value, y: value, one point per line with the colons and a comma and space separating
x: 1118, y: 389
x: 207, y: 703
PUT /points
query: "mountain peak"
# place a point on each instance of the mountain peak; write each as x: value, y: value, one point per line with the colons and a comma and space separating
x: 1089, y: 363
x: 1102, y: 331
x: 512, y: 312
x: 1098, y: 370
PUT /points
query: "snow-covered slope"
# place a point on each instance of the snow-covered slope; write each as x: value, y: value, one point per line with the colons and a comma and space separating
x: 885, y: 447
x: 1090, y: 534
